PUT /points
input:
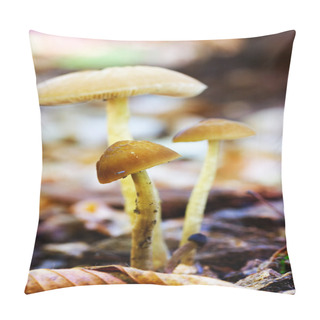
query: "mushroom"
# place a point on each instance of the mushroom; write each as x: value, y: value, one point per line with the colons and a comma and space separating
x: 212, y: 130
x: 116, y: 84
x: 195, y: 241
x: 133, y: 158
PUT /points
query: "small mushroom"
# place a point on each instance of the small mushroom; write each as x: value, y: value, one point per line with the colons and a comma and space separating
x: 133, y: 158
x: 115, y: 85
x: 212, y: 130
x: 195, y: 241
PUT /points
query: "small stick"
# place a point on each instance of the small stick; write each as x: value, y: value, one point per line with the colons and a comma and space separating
x: 264, y: 201
x: 195, y: 241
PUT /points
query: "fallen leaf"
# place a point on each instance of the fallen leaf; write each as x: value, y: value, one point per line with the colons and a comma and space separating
x: 49, y: 279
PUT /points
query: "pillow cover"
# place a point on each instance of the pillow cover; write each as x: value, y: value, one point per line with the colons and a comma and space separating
x: 161, y: 162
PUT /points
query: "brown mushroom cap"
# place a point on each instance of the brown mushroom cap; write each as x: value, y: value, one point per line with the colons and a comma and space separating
x: 117, y: 82
x: 214, y: 129
x: 130, y: 156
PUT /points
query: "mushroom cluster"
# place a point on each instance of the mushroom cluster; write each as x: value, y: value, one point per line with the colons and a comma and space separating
x: 115, y: 85
x: 127, y: 160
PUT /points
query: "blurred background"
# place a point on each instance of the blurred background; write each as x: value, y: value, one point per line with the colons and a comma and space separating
x: 246, y: 81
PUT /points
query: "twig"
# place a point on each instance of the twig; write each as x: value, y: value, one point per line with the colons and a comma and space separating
x: 264, y: 201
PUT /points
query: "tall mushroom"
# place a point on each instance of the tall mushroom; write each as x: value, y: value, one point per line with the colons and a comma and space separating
x: 213, y: 130
x: 125, y: 158
x: 115, y: 85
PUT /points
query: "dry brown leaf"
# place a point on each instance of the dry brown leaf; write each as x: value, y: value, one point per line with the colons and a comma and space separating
x: 49, y: 279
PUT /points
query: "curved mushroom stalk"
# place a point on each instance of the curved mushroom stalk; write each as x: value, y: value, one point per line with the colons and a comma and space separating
x: 198, y: 199
x: 142, y: 232
x: 195, y: 241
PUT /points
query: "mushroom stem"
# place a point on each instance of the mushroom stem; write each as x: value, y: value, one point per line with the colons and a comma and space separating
x: 195, y: 241
x: 178, y: 255
x: 118, y: 129
x: 159, y: 247
x: 118, y: 120
x: 198, y: 199
x: 145, y: 221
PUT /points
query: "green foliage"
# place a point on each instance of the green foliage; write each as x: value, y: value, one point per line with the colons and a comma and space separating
x: 283, y: 264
